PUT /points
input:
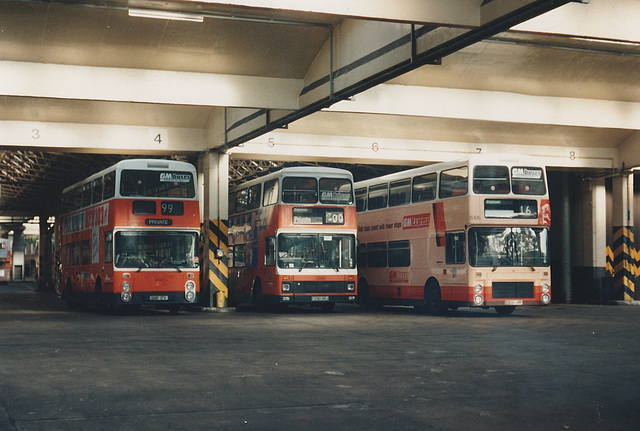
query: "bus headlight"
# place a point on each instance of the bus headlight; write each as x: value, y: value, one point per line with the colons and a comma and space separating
x: 125, y: 296
x: 546, y: 298
x: 351, y: 287
x: 286, y: 287
x: 545, y: 288
x: 478, y: 300
x: 190, y: 291
x: 478, y: 288
x: 126, y: 286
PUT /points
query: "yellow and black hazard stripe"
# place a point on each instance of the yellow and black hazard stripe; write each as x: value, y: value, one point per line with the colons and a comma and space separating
x: 218, y: 236
x: 625, y: 267
x: 609, y: 265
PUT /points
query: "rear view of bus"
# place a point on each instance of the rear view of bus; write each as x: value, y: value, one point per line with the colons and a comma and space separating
x: 130, y: 236
x: 292, y: 235
x: 473, y: 232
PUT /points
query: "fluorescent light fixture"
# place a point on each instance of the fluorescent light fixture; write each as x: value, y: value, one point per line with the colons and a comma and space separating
x: 162, y: 14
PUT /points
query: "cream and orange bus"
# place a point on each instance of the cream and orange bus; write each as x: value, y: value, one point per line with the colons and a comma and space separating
x: 472, y: 232
x: 292, y: 239
x: 129, y: 236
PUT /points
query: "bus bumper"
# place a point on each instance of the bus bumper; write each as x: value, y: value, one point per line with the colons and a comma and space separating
x: 316, y: 299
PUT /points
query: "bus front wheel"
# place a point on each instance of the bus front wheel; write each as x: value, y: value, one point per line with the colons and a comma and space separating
x: 257, y: 298
x: 433, y: 299
x: 505, y: 310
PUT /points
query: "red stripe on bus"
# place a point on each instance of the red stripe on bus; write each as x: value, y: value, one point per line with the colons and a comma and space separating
x: 440, y: 224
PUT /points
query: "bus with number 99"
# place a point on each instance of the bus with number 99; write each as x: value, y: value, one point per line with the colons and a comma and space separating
x: 129, y: 236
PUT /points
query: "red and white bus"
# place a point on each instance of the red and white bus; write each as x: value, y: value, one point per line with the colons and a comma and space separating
x: 5, y: 260
x: 292, y: 237
x: 129, y: 236
x: 473, y: 232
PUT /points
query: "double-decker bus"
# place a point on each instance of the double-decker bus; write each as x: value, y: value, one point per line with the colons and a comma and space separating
x: 129, y: 236
x: 292, y: 239
x: 5, y: 260
x: 473, y: 232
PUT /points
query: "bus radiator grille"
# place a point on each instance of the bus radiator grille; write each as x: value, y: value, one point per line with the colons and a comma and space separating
x: 319, y: 287
x: 513, y: 289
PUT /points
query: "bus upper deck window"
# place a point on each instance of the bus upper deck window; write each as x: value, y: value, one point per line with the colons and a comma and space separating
x: 378, y: 196
x: 454, y: 182
x: 527, y: 180
x: 337, y: 191
x: 491, y: 180
x: 424, y: 187
x: 361, y: 199
x: 299, y: 190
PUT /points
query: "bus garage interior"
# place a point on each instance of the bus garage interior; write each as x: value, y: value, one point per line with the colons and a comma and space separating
x: 240, y: 90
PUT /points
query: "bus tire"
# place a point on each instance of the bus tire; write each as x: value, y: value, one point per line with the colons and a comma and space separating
x: 97, y: 294
x: 257, y: 298
x: 328, y: 307
x: 433, y: 299
x: 364, y: 295
x: 505, y: 310
x: 67, y: 292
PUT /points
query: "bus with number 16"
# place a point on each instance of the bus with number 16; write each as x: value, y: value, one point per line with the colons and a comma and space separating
x: 472, y: 233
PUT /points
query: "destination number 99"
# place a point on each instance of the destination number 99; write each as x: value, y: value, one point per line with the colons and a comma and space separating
x: 172, y: 208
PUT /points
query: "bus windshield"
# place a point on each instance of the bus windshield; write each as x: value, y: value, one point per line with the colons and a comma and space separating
x: 162, y: 184
x: 508, y: 246
x: 316, y: 251
x: 155, y: 249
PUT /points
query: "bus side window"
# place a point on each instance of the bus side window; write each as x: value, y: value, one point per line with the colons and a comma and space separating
x: 361, y: 199
x: 270, y: 251
x: 253, y: 200
x: 270, y: 192
x: 241, y: 200
x: 239, y: 256
x: 86, y: 252
x: 399, y: 192
x: 96, y: 190
x: 230, y: 261
x: 399, y: 253
x: 377, y: 255
x: 454, y: 182
x: 362, y: 255
x: 378, y: 195
x: 86, y: 195
x: 108, y: 247
x: 424, y: 187
x: 109, y: 187
x: 76, y: 254
x: 455, y: 247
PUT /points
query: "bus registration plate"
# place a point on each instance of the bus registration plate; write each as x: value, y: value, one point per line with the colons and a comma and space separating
x: 513, y: 302
x: 158, y: 297
x: 319, y: 298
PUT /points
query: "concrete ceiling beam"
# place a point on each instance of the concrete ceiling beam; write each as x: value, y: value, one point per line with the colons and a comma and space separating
x: 59, y: 81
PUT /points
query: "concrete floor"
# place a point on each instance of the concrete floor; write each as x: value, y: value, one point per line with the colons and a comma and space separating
x: 563, y: 367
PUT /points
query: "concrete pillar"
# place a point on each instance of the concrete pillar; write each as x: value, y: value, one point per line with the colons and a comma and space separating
x: 624, y: 266
x: 589, y: 239
x: 45, y: 258
x: 18, y: 254
x: 213, y: 169
x: 565, y: 238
